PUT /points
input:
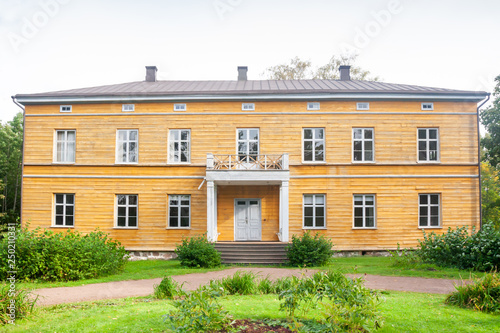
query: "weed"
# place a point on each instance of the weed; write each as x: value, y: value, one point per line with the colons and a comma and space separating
x: 168, y: 288
x: 15, y: 304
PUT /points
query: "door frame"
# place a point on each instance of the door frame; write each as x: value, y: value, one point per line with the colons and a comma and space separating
x: 260, y: 218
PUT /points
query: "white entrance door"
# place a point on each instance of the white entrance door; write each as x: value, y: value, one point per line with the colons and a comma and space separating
x: 247, y: 220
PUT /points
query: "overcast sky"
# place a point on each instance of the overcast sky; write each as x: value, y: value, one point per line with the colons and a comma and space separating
x: 49, y: 45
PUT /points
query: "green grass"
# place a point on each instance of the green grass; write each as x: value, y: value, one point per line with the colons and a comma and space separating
x: 402, y: 312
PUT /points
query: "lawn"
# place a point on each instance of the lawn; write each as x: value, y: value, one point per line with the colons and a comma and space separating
x: 402, y: 312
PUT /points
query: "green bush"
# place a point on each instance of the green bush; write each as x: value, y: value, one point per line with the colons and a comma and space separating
x: 168, y: 288
x: 15, y: 304
x: 309, y: 251
x: 66, y: 256
x: 198, y: 252
x: 456, y: 248
x: 482, y: 295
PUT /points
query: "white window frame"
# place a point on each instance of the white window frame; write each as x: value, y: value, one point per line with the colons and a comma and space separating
x: 427, y: 106
x: 127, y: 216
x: 119, y: 142
x: 247, y: 106
x: 428, y: 207
x: 427, y: 141
x: 246, y: 155
x: 363, y: 140
x: 64, y: 215
x: 314, y: 205
x: 65, y: 108
x: 314, y: 141
x: 172, y: 158
x: 179, y: 207
x: 364, y: 206
x: 314, y: 106
x: 128, y: 107
x: 180, y: 107
x: 65, y: 150
x: 363, y: 106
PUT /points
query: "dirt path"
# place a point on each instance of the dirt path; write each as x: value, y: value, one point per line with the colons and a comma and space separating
x: 121, y: 289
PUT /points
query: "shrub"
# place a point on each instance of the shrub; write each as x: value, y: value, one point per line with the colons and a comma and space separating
x: 168, y: 288
x: 310, y: 251
x: 15, y: 304
x: 482, y: 295
x: 198, y: 252
x: 48, y: 256
x: 456, y: 248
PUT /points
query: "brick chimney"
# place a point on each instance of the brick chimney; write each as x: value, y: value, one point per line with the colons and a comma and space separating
x: 345, y: 74
x: 151, y: 73
x: 242, y: 73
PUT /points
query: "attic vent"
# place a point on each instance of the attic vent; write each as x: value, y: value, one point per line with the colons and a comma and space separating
x: 65, y: 108
x: 427, y: 106
x: 313, y: 106
x: 248, y: 106
x: 180, y: 107
x: 128, y: 107
x: 362, y: 106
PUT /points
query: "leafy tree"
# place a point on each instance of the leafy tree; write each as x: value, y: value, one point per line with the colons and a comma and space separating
x: 299, y: 69
x: 490, y: 118
x: 490, y: 193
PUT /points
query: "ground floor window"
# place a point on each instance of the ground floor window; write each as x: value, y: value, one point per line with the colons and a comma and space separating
x: 314, y: 210
x: 364, y: 211
x: 127, y: 210
x: 64, y: 210
x: 428, y: 209
x: 179, y: 211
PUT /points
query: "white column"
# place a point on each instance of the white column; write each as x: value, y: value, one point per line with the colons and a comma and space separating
x: 284, y: 232
x: 211, y: 222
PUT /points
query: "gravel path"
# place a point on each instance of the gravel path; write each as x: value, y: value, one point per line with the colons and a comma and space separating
x: 121, y: 289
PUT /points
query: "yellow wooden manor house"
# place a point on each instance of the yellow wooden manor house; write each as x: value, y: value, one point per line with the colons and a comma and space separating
x: 367, y: 164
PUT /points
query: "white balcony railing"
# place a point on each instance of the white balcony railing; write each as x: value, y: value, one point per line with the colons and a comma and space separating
x: 247, y: 162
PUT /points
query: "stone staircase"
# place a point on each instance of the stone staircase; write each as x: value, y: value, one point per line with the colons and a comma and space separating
x: 264, y: 253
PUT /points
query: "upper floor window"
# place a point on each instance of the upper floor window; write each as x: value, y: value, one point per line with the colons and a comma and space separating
x: 313, y: 105
x: 65, y: 146
x: 179, y: 211
x: 248, y: 144
x: 180, y: 107
x: 127, y: 145
x: 179, y: 146
x: 128, y: 107
x: 64, y: 210
x: 363, y: 106
x: 248, y: 106
x: 428, y: 210
x: 428, y: 145
x: 364, y: 211
x: 65, y: 108
x: 362, y: 145
x: 314, y: 145
x: 427, y: 106
x: 314, y: 211
x: 127, y: 210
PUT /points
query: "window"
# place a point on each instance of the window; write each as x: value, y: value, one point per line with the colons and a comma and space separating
x: 314, y: 210
x: 65, y: 108
x: 313, y: 106
x: 428, y: 210
x: 179, y: 146
x: 180, y: 107
x: 64, y: 210
x: 179, y: 211
x: 362, y: 106
x: 362, y: 143
x: 248, y: 106
x: 314, y: 145
x: 127, y: 142
x: 427, y: 106
x: 248, y: 144
x: 128, y: 107
x: 126, y: 210
x: 364, y: 211
x: 65, y: 146
x: 428, y: 145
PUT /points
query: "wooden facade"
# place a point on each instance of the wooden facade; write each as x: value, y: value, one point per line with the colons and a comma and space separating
x: 395, y: 177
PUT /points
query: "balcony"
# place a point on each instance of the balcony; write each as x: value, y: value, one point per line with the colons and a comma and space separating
x: 247, y: 162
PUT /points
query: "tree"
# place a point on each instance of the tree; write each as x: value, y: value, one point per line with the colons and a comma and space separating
x: 490, y: 118
x: 299, y: 69
x: 490, y: 194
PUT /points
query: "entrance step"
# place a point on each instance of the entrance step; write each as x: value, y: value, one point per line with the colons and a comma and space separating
x: 263, y: 253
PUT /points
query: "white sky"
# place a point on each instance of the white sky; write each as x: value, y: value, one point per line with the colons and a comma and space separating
x: 48, y: 45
